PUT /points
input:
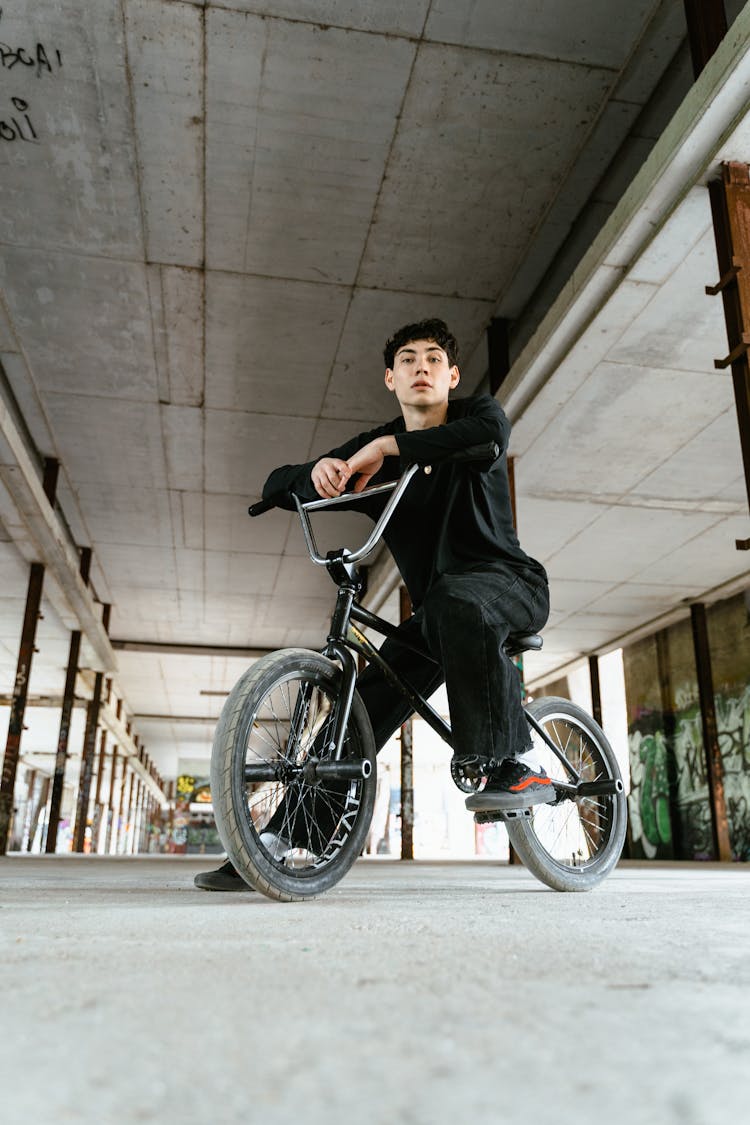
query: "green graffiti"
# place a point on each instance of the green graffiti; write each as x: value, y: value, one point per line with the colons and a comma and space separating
x: 654, y: 793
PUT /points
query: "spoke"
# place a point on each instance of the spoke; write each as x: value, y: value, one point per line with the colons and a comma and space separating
x: 261, y: 734
x: 561, y: 829
x: 276, y: 720
x: 593, y: 845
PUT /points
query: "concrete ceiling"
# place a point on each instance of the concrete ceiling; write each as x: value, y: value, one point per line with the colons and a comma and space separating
x: 213, y: 216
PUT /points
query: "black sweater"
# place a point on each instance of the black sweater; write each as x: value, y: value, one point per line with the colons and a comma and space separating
x: 455, y: 519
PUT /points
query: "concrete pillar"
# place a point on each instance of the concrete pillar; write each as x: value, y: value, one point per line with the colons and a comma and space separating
x: 61, y: 756
x: 23, y: 673
x: 97, y: 817
x: 714, y: 766
x: 133, y: 815
x: 111, y: 808
x: 120, y: 828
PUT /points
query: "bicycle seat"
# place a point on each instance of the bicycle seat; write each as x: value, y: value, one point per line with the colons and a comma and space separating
x: 522, y: 642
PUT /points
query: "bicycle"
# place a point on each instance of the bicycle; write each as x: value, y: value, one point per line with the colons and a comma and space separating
x: 294, y: 750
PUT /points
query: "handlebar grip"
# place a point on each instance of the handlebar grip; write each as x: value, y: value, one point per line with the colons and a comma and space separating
x: 261, y: 507
x: 279, y: 499
x: 489, y: 451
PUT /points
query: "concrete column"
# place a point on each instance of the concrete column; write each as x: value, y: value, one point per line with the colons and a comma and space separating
x: 24, y: 810
x: 669, y: 722
x: 111, y: 813
x: 37, y: 803
x: 97, y: 817
x: 61, y: 757
x: 714, y: 766
x: 18, y: 706
x: 23, y: 672
x: 135, y: 788
x: 119, y: 833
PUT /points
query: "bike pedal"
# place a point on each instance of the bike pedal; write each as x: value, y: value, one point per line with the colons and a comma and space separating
x: 493, y: 815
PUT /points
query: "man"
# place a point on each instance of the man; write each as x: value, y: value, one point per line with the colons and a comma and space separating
x: 469, y: 581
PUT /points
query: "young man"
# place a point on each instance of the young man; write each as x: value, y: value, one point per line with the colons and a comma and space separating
x: 469, y: 581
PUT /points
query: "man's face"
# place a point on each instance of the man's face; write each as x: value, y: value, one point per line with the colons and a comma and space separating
x: 421, y: 374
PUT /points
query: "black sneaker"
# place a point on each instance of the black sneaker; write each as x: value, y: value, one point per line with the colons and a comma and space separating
x: 224, y: 878
x: 512, y: 785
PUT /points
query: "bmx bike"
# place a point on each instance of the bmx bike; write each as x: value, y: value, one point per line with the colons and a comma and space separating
x: 293, y: 768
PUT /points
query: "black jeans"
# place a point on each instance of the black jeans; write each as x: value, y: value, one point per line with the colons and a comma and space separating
x: 463, y: 624
x: 458, y: 632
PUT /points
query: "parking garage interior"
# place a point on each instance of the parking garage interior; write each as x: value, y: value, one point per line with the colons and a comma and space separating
x: 213, y: 214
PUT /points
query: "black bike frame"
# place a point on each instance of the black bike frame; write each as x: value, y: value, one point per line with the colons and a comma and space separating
x: 345, y: 638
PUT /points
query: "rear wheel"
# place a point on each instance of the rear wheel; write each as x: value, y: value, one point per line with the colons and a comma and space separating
x: 291, y: 818
x: 573, y: 844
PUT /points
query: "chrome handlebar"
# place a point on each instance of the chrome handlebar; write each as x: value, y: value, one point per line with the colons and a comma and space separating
x: 397, y: 487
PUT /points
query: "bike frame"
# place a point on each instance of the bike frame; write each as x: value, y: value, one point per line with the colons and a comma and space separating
x: 345, y: 639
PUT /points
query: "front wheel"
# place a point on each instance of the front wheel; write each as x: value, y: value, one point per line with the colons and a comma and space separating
x: 573, y: 844
x: 291, y: 817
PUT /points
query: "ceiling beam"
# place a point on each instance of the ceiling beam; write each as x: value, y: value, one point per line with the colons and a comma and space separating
x: 35, y: 528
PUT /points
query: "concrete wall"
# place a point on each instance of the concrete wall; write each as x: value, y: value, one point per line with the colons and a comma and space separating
x: 670, y: 814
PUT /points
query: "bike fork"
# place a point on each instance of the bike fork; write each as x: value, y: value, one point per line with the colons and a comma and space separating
x: 336, y: 650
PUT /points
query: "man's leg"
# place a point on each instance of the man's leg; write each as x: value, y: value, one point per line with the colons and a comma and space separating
x: 387, y: 710
x: 467, y: 619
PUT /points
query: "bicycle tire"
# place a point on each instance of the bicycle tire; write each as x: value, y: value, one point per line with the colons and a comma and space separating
x: 573, y: 844
x: 279, y: 713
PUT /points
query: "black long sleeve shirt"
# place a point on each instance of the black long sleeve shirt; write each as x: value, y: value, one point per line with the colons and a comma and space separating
x: 455, y: 519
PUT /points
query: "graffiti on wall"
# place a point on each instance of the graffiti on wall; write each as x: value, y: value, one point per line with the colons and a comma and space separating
x: 733, y: 725
x: 670, y: 810
x: 650, y: 821
x: 38, y: 59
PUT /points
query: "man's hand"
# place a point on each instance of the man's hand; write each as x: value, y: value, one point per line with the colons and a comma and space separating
x: 330, y: 476
x: 369, y: 459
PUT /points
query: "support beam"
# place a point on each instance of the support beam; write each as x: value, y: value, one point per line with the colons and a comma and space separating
x: 34, y: 808
x: 111, y: 719
x: 407, y: 762
x: 18, y: 707
x: 58, y: 781
x: 96, y: 820
x: 669, y: 726
x: 596, y: 694
x: 730, y: 208
x: 111, y: 813
x: 706, y: 26
x: 23, y: 669
x: 87, y: 760
x: 498, y: 353
x: 119, y: 833
x: 38, y: 531
x: 714, y: 766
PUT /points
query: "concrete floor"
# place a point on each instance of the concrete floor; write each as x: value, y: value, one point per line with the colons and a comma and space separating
x: 415, y: 993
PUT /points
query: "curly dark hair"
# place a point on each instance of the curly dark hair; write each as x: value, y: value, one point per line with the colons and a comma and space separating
x: 433, y: 329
